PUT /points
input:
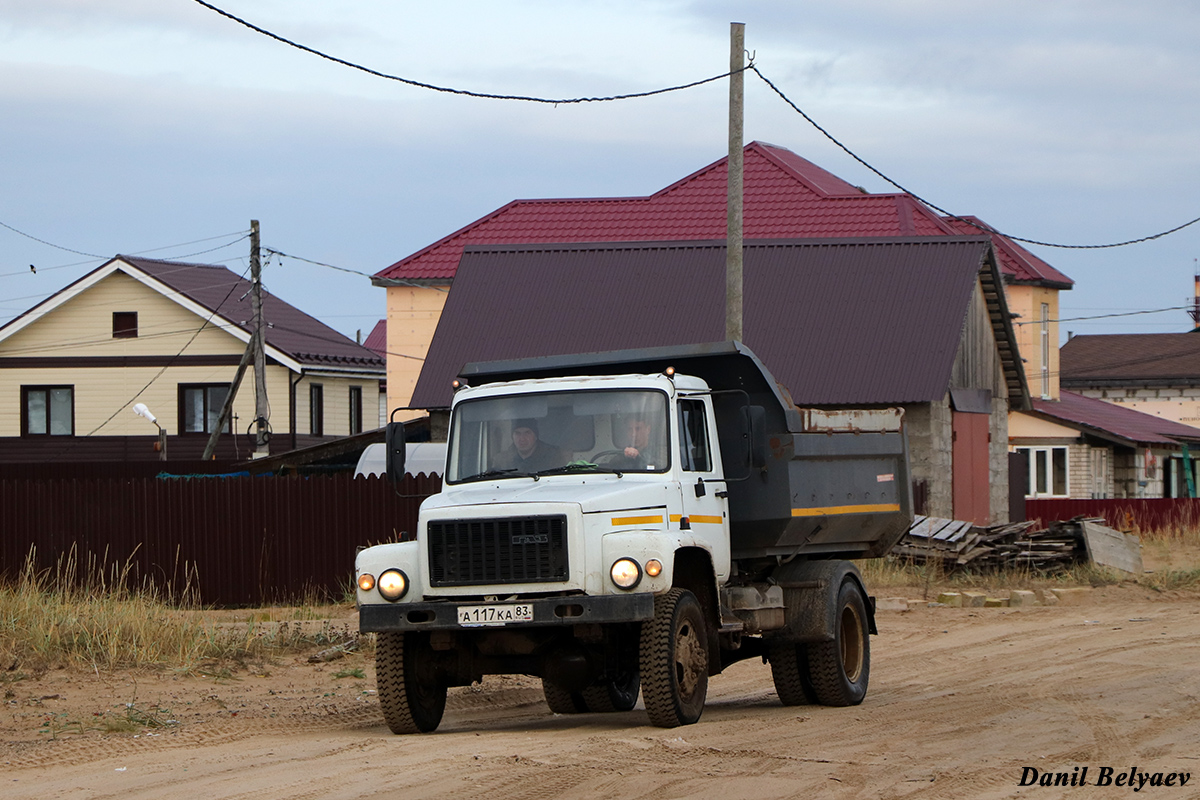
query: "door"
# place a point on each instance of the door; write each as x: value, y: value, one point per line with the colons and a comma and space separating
x: 971, y: 477
x: 706, y: 512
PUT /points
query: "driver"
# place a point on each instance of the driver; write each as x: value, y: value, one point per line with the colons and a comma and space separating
x: 529, y: 453
x: 642, y: 450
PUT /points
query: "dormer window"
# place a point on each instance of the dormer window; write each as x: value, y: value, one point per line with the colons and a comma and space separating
x: 125, y: 325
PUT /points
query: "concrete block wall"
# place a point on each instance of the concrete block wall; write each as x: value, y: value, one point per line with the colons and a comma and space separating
x: 930, y: 443
x: 998, y: 461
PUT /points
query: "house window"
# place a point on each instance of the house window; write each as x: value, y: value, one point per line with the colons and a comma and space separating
x: 1175, y: 483
x: 1045, y: 350
x: 47, y: 410
x: 693, y: 437
x: 1047, y: 471
x: 200, y: 407
x: 125, y: 325
x: 356, y: 418
x: 316, y: 409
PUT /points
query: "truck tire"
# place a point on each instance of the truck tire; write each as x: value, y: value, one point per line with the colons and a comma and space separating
x: 608, y: 696
x: 413, y: 698
x: 561, y: 701
x: 840, y: 669
x: 789, y: 671
x: 674, y: 660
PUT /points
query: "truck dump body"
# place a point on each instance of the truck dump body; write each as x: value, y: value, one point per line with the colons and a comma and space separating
x: 800, y: 483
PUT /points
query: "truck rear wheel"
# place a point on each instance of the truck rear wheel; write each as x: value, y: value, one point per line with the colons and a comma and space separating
x: 840, y: 669
x: 561, y: 701
x: 411, y: 694
x: 789, y: 671
x: 674, y: 660
x: 608, y: 696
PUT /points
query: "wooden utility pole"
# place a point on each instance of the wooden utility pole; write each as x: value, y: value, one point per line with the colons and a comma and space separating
x: 733, y: 228
x: 261, y: 409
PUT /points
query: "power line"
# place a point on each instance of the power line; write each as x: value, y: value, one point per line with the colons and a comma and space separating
x: 241, y: 234
x: 984, y: 228
x: 282, y: 254
x: 448, y: 90
x: 49, y: 244
x: 1103, y: 316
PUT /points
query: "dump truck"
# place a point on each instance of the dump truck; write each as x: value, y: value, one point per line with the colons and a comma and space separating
x: 635, y: 522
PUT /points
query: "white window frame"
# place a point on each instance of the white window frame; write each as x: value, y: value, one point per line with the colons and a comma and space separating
x: 1045, y: 454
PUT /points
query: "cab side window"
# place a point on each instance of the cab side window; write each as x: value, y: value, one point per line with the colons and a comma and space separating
x: 693, y: 437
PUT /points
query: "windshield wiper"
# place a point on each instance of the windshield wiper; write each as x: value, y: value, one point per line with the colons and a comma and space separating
x: 495, y: 473
x: 582, y: 466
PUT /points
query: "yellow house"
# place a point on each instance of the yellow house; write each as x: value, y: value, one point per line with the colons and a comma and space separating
x: 170, y: 335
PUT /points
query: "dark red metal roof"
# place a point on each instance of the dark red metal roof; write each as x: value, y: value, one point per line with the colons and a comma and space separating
x: 1018, y: 264
x: 376, y: 340
x: 1108, y: 418
x: 1131, y: 358
x: 290, y: 330
x: 785, y: 197
x: 837, y: 321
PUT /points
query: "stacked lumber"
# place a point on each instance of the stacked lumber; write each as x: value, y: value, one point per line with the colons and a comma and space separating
x: 955, y: 544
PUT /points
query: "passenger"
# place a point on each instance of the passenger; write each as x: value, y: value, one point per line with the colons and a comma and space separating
x: 529, y: 453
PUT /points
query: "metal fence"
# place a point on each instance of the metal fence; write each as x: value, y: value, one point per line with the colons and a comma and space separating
x: 1144, y: 515
x: 236, y: 541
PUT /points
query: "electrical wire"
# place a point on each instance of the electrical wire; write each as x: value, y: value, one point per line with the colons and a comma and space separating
x: 1104, y: 316
x: 465, y: 92
x: 984, y: 228
x: 397, y: 282
x: 242, y: 235
x: 49, y: 244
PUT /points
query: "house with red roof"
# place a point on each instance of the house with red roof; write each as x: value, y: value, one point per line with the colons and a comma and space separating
x: 1084, y: 447
x: 170, y: 335
x: 785, y: 197
x: 915, y: 322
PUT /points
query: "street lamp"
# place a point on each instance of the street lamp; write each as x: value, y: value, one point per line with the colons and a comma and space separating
x: 161, y: 445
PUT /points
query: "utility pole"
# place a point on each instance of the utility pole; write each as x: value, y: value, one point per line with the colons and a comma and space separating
x: 733, y: 227
x: 261, y: 409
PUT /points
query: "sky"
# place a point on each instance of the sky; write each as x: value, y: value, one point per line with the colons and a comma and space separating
x: 158, y: 127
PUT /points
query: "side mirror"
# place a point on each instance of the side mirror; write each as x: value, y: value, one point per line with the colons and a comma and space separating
x: 396, y: 450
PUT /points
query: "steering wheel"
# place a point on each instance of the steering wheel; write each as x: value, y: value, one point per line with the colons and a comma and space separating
x: 608, y: 454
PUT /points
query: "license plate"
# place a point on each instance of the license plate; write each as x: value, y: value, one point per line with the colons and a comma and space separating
x: 471, y: 616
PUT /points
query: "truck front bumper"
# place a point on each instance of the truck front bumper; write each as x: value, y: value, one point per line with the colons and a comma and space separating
x: 575, y: 610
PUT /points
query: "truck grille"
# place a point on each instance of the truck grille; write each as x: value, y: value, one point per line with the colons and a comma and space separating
x: 490, y: 551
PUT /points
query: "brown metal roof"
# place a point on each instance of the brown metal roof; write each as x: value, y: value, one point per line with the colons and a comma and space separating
x: 838, y: 321
x: 304, y: 338
x: 1130, y: 359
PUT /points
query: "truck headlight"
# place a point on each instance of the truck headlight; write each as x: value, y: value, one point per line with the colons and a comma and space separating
x: 366, y: 581
x: 393, y: 584
x: 625, y: 573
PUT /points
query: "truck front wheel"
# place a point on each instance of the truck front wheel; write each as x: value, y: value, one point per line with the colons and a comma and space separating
x: 839, y: 670
x: 674, y: 660
x: 411, y: 694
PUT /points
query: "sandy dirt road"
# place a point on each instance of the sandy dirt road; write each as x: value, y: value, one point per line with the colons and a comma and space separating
x: 960, y: 702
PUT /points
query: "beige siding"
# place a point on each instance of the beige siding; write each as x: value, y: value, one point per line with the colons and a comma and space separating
x: 1027, y: 302
x: 101, y: 392
x: 82, y: 326
x: 412, y: 317
x: 336, y: 396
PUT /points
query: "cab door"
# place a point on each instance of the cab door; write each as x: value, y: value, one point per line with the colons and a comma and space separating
x: 706, y: 513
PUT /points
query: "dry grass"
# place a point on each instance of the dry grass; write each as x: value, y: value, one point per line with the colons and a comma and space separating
x: 1176, y: 544
x: 89, y: 616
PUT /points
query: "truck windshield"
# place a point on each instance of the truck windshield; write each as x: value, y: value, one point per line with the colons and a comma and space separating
x: 558, y: 432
